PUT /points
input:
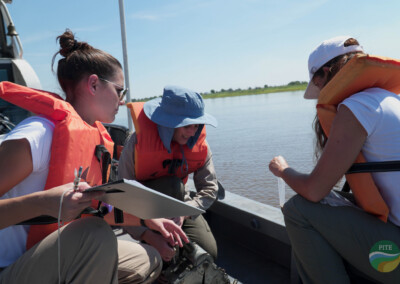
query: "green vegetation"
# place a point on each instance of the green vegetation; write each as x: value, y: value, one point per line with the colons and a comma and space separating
x: 292, y: 86
x: 144, y: 99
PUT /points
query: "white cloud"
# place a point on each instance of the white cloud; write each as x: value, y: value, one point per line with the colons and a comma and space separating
x: 88, y: 29
x: 290, y: 12
x: 52, y: 34
x: 145, y: 16
x: 171, y: 10
x: 44, y: 35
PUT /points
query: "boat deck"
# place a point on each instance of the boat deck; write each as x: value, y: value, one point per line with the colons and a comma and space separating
x: 248, y: 266
x: 253, y: 246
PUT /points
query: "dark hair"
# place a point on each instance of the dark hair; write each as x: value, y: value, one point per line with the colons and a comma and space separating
x: 334, y: 66
x: 80, y: 59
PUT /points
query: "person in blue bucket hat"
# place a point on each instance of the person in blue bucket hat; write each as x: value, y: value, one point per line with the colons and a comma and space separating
x: 169, y: 144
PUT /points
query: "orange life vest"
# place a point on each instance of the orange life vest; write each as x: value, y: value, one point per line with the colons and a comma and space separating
x: 152, y: 159
x: 361, y: 72
x: 73, y: 144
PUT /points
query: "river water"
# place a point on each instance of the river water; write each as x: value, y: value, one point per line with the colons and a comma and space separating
x: 251, y: 131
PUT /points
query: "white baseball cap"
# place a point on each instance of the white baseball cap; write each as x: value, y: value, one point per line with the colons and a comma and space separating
x: 325, y: 52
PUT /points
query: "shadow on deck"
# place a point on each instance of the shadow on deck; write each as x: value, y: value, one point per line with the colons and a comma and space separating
x: 253, y: 246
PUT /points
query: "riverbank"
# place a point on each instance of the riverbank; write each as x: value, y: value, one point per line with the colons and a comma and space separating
x: 291, y: 87
x: 256, y: 91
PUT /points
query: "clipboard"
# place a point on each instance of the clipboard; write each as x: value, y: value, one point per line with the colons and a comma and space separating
x: 143, y: 202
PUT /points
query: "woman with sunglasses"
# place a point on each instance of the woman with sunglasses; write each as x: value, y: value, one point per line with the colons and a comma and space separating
x: 37, y: 162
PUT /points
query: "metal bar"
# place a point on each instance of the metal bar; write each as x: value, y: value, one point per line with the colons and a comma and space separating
x: 125, y: 55
x: 16, y: 37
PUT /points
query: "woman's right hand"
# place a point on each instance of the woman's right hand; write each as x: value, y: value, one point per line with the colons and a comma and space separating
x: 179, y: 220
x: 160, y: 243
x: 169, y: 230
x: 74, y: 202
x: 278, y: 165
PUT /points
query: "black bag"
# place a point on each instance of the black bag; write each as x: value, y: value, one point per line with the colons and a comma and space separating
x: 192, y: 264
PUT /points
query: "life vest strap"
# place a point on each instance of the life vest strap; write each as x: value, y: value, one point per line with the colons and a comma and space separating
x: 40, y: 220
x: 372, y: 167
x: 173, y: 165
x: 104, y: 158
x: 46, y: 220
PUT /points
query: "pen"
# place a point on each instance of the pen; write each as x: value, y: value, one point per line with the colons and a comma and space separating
x: 77, y: 178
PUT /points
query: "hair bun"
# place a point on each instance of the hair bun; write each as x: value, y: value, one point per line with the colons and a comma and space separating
x: 69, y: 44
x: 76, y: 45
x: 79, y: 60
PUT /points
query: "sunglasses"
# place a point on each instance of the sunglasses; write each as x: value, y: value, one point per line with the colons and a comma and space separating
x: 121, y: 91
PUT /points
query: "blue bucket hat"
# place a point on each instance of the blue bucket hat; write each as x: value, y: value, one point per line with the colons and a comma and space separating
x: 178, y: 107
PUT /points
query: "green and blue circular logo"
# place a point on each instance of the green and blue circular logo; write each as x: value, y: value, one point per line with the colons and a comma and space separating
x: 384, y: 256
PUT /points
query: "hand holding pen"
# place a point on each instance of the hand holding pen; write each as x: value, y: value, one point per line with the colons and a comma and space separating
x: 77, y: 178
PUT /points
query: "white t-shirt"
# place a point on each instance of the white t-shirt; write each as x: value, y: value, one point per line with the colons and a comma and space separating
x: 39, y: 132
x: 378, y: 111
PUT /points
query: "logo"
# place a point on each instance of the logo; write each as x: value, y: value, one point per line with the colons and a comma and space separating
x: 384, y: 256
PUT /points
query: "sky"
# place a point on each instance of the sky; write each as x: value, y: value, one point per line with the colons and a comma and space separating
x: 205, y: 45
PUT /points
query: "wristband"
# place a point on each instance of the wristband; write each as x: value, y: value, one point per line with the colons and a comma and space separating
x: 142, y: 223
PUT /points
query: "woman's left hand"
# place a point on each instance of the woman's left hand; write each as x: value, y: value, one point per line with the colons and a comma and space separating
x: 278, y: 165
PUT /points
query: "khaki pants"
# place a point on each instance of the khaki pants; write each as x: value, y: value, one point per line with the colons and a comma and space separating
x: 90, y: 253
x: 325, y: 239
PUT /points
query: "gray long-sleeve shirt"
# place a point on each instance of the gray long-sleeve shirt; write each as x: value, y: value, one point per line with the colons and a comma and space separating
x: 205, y: 179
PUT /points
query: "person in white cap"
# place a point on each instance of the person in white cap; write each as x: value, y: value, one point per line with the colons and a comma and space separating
x: 326, y: 236
x: 169, y: 143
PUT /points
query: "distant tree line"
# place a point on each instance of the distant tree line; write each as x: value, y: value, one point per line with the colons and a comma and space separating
x: 144, y: 99
x: 293, y: 83
x: 256, y: 90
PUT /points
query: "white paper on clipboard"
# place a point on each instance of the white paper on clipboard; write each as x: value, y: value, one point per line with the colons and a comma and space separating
x: 134, y: 198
